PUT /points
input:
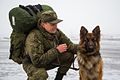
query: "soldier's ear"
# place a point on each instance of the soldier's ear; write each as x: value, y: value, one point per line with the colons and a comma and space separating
x: 96, y: 32
x: 83, y: 32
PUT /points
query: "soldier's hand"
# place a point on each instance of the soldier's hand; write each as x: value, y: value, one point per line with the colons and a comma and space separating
x: 62, y: 48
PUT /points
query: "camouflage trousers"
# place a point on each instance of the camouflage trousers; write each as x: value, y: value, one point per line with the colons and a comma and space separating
x: 64, y: 60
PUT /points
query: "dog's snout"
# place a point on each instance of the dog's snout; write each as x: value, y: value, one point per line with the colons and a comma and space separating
x: 91, y: 44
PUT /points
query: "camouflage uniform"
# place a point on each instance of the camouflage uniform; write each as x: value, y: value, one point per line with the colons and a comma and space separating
x: 42, y: 55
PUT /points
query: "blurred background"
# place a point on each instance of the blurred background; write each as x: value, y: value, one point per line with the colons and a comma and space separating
x: 74, y: 13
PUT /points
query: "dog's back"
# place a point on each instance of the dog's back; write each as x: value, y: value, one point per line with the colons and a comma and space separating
x: 89, y: 59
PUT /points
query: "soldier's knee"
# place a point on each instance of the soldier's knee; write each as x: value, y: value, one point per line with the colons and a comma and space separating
x: 40, y: 74
x: 67, y: 57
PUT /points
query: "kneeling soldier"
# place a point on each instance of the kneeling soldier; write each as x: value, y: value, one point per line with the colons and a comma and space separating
x: 47, y: 47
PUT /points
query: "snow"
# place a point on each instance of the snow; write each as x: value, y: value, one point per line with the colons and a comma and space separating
x: 109, y: 50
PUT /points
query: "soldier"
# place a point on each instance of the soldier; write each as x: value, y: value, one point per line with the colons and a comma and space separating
x: 47, y: 47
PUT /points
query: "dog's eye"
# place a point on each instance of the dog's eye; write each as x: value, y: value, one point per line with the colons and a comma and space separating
x: 93, y: 39
x: 86, y: 39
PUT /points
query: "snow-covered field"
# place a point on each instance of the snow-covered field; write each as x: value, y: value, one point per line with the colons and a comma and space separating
x: 110, y: 51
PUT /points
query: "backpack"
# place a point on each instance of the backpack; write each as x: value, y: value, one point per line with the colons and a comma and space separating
x: 22, y: 19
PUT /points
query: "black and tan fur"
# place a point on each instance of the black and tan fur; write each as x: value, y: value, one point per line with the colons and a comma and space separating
x: 89, y: 58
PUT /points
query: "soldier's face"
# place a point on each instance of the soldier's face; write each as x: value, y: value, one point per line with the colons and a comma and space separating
x: 51, y: 28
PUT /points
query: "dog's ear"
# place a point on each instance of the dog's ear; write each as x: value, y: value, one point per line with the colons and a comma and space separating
x: 96, y: 32
x: 83, y: 32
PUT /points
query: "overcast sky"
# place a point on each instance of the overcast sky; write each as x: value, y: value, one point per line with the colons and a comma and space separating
x: 75, y: 13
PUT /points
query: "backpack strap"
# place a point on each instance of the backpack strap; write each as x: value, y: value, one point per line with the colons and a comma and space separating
x: 39, y: 7
x: 35, y: 8
x: 27, y: 9
x: 32, y: 9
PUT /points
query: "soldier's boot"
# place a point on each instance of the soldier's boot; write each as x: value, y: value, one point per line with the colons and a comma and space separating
x: 59, y: 76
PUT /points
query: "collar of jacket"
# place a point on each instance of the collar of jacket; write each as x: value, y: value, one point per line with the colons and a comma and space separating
x: 46, y: 34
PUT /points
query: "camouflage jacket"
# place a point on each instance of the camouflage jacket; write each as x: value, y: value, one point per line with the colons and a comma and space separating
x: 40, y: 46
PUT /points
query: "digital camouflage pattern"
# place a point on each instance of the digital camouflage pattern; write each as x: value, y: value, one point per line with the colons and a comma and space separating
x: 22, y: 19
x: 49, y: 16
x: 42, y: 54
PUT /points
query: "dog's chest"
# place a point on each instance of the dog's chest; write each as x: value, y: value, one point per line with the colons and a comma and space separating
x: 87, y: 62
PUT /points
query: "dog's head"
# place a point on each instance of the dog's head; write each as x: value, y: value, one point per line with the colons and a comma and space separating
x: 89, y: 42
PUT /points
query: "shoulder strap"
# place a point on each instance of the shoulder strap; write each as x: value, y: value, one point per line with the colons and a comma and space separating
x: 38, y: 32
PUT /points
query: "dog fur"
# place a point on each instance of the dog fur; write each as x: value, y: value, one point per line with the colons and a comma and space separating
x: 88, y: 56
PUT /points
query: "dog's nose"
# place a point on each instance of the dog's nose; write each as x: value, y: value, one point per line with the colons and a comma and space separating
x: 91, y: 46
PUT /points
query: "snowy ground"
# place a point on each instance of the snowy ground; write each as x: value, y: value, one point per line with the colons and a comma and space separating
x: 110, y: 50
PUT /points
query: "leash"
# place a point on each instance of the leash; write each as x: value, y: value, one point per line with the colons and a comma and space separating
x: 73, y: 65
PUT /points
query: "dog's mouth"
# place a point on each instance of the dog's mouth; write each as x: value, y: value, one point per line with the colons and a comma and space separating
x: 90, y: 49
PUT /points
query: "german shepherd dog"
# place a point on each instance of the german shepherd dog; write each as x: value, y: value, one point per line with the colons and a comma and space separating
x: 89, y: 58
